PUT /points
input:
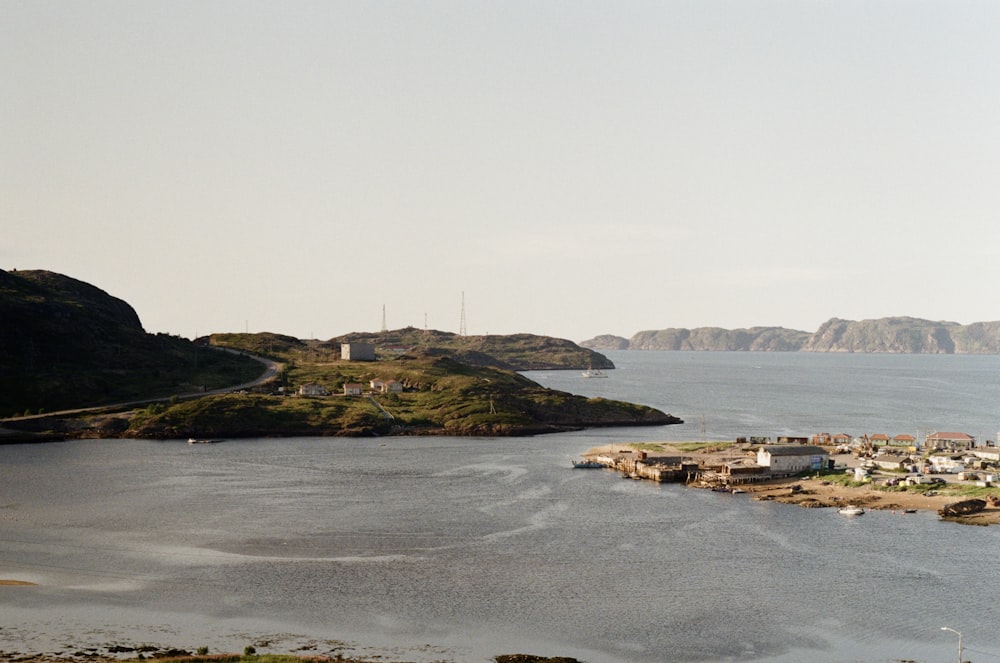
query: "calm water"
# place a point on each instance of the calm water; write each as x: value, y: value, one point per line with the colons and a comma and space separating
x: 459, y: 549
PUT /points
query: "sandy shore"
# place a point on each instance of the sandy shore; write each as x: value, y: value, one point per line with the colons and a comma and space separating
x: 816, y: 493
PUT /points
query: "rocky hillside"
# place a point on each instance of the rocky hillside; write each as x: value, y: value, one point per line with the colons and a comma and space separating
x: 714, y: 338
x: 65, y: 343
x: 894, y: 335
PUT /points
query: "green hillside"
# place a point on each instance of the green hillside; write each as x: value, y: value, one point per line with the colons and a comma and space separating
x: 439, y: 396
x: 67, y: 344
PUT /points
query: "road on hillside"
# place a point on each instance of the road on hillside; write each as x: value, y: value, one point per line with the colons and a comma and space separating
x: 271, y: 371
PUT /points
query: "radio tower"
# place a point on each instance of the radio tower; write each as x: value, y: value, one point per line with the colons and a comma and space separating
x: 384, y: 328
x: 461, y: 324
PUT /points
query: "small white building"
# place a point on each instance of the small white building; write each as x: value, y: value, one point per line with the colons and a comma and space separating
x: 386, y: 386
x: 792, y: 458
x: 312, y: 389
x: 352, y: 389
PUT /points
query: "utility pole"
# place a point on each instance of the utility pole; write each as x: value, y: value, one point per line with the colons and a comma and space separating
x: 461, y: 324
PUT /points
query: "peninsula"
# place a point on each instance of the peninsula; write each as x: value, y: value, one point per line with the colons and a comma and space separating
x: 76, y: 362
x: 730, y: 468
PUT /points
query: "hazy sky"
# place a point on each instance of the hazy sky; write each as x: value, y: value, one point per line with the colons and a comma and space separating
x: 575, y: 168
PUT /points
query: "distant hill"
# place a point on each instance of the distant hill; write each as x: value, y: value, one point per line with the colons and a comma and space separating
x: 65, y: 344
x: 515, y: 352
x: 903, y: 335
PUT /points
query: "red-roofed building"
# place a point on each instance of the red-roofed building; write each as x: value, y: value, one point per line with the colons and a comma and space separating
x: 903, y: 440
x: 949, y: 440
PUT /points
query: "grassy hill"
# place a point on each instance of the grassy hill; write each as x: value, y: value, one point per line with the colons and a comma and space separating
x: 450, y: 385
x: 516, y: 352
x: 440, y: 396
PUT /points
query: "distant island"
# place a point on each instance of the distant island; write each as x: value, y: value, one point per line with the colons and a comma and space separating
x: 900, y: 335
x: 75, y: 362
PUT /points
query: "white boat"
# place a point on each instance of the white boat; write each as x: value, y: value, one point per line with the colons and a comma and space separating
x: 594, y: 373
x: 851, y: 510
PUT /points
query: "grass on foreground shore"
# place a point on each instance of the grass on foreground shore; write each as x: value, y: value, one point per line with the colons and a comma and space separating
x: 289, y: 658
x: 965, y: 491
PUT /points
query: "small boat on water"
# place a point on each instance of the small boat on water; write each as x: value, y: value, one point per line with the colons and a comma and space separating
x: 594, y: 373
x: 195, y: 440
x: 586, y: 465
x: 851, y: 510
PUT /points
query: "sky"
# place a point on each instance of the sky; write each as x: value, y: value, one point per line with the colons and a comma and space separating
x: 566, y: 168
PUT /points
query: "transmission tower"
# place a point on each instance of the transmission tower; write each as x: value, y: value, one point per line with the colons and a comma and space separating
x: 461, y: 324
x: 384, y: 328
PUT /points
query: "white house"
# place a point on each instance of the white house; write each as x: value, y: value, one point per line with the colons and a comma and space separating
x: 352, y: 389
x: 792, y: 458
x: 312, y: 389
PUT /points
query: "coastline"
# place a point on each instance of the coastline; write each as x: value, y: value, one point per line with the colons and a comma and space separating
x: 810, y: 492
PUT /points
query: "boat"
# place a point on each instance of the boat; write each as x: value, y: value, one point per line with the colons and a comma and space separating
x: 963, y: 508
x: 594, y: 372
x: 851, y: 510
x: 586, y: 464
x: 195, y: 440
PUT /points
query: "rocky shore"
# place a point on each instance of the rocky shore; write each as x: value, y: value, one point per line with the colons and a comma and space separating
x: 165, y: 655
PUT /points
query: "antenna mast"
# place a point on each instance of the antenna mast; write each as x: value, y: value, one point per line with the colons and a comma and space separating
x: 461, y: 324
x: 384, y: 328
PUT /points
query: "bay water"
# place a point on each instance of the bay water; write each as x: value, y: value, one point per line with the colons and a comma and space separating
x: 459, y: 549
